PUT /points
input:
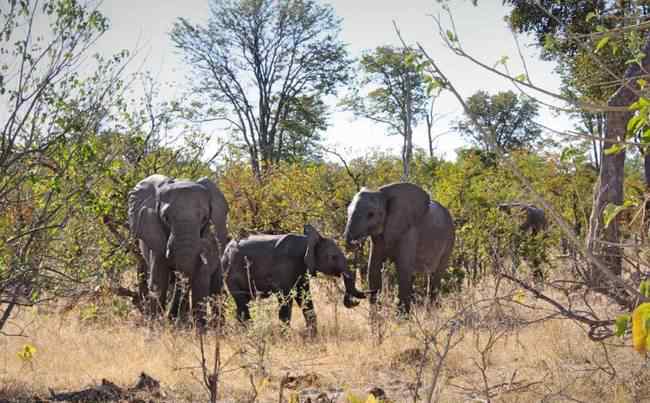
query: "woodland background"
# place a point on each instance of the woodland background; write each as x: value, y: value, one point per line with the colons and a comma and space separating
x: 74, y: 140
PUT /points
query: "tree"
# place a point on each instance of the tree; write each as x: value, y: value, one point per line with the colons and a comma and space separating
x: 258, y: 62
x: 508, y: 117
x: 568, y: 32
x: 50, y: 111
x: 396, y: 97
x: 604, y: 49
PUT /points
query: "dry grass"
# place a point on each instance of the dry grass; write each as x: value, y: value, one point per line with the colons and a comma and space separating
x: 551, y: 360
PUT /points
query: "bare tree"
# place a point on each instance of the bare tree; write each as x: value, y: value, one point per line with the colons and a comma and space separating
x: 258, y: 62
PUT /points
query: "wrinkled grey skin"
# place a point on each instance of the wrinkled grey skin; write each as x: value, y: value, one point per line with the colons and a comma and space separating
x: 171, y: 219
x: 406, y: 227
x: 535, y: 218
x: 261, y: 265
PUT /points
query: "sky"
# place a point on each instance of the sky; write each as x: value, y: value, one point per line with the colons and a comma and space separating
x: 145, y: 24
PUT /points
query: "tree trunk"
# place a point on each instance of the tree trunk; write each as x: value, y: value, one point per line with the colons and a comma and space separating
x: 605, y: 242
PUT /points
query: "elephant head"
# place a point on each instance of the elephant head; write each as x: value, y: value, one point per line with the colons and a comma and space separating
x: 172, y: 218
x: 388, y: 212
x: 324, y: 255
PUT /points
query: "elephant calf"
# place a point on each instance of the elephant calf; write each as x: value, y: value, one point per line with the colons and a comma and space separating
x: 535, y: 220
x: 261, y: 265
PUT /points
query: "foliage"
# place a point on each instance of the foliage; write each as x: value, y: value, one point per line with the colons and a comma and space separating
x: 397, y: 95
x: 569, y: 32
x: 508, y: 117
x: 52, y: 111
x: 263, y: 67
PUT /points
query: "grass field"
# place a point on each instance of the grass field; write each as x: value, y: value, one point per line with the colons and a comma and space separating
x: 503, y: 348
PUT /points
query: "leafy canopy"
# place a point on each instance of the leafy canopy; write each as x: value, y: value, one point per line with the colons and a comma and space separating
x: 509, y: 117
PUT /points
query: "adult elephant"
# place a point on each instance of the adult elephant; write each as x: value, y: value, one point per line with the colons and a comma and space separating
x: 407, y: 227
x: 261, y: 265
x: 171, y: 218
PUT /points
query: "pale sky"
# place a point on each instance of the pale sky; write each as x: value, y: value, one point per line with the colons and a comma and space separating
x: 145, y: 24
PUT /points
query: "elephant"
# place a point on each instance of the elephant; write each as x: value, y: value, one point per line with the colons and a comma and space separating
x: 535, y: 221
x: 171, y: 219
x: 408, y: 228
x: 261, y: 265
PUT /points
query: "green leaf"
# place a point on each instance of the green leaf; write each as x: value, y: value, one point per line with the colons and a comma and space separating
x: 601, y: 43
x: 642, y: 83
x: 635, y: 123
x: 615, y: 149
x: 611, y: 211
x: 409, y: 59
x: 621, y: 325
x: 451, y: 36
x: 644, y: 288
x: 521, y: 77
x: 590, y: 16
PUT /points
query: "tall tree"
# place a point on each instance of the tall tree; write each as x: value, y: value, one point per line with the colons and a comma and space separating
x: 258, y: 60
x: 391, y: 91
x: 510, y: 118
x: 602, y: 48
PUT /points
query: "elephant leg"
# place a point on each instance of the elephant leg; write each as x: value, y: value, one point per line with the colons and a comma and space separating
x: 306, y: 303
x: 180, y: 307
x: 241, y: 301
x: 158, y: 284
x: 435, y: 279
x: 374, y: 269
x: 216, y: 287
x: 405, y: 264
x: 405, y: 285
x: 200, y: 293
x: 286, y: 303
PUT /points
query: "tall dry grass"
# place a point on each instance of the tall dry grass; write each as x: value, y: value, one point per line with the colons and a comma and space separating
x: 504, y: 349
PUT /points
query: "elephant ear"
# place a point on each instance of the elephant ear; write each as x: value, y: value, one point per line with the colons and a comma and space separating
x: 313, y: 237
x: 144, y: 222
x: 406, y: 204
x: 218, y: 210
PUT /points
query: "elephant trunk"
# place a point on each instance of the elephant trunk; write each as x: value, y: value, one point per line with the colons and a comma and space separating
x: 351, y: 291
x: 185, y: 249
x: 349, y: 238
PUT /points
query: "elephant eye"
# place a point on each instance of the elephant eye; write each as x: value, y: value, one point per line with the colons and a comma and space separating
x: 371, y: 214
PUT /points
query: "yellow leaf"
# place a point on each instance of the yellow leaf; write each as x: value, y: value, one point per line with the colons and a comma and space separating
x: 27, y: 352
x: 519, y: 297
x: 262, y: 383
x: 640, y: 324
x: 371, y: 399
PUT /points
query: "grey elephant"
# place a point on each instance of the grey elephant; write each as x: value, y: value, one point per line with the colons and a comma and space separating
x: 535, y: 220
x: 407, y: 227
x: 261, y: 265
x: 171, y: 218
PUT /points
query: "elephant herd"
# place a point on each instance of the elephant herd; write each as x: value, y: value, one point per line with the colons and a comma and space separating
x: 171, y: 219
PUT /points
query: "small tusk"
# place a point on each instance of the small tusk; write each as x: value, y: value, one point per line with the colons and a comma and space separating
x: 203, y: 258
x: 167, y: 253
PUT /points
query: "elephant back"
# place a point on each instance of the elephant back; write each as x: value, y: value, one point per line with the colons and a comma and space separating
x: 143, y: 195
